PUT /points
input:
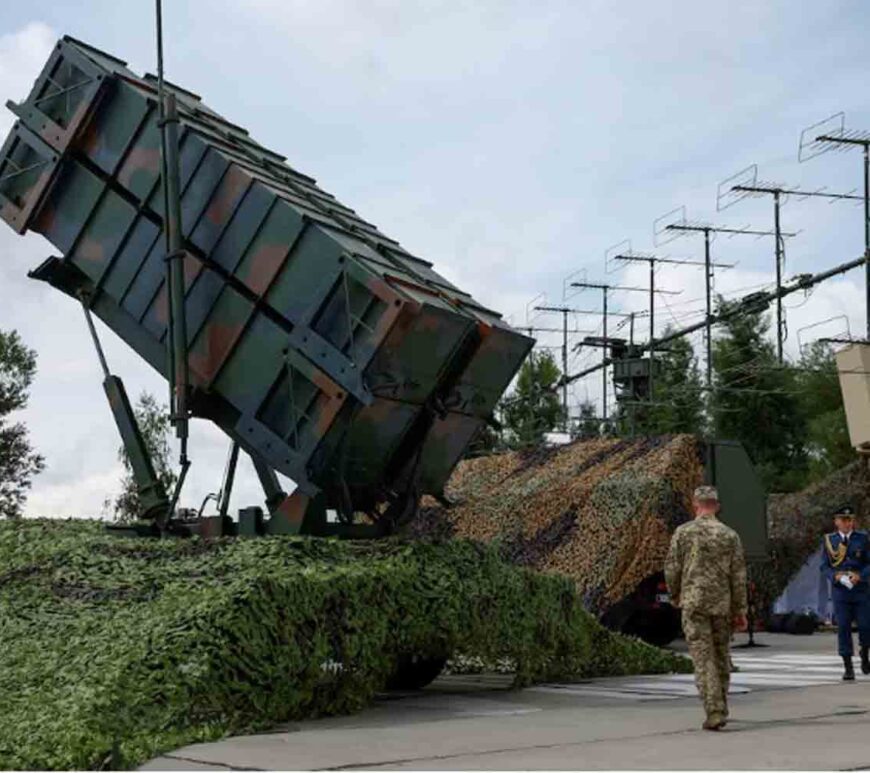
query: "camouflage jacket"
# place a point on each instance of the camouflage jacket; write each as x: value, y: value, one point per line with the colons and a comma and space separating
x: 705, y: 569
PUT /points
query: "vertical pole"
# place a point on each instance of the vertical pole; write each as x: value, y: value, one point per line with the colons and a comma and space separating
x: 709, y: 277
x: 867, y: 231
x: 778, y: 237
x: 170, y: 357
x: 632, y: 406
x: 175, y: 259
x: 565, y: 365
x: 229, y: 479
x: 604, y: 369
x: 652, y: 324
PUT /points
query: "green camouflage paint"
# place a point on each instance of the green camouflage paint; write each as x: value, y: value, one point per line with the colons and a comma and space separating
x: 327, y: 351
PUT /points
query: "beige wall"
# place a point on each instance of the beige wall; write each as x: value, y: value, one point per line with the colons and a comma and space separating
x: 853, y: 364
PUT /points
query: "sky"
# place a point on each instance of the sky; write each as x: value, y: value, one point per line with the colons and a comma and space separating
x: 510, y: 143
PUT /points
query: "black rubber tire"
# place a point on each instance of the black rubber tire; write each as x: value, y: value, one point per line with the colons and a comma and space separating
x: 801, y: 625
x: 656, y: 627
x: 775, y: 623
x: 413, y: 672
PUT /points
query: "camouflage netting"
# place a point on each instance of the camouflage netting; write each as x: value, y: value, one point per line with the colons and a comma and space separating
x: 796, y: 523
x: 115, y: 650
x: 599, y: 511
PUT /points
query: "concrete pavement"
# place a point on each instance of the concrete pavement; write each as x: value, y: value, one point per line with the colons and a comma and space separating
x: 477, y: 723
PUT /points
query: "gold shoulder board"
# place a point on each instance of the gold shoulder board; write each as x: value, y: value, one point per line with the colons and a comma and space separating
x: 837, y: 556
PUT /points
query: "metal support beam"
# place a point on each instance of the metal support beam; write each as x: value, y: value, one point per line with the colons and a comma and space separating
x: 867, y: 232
x: 565, y: 365
x: 779, y: 252
x: 153, y: 502
x: 604, y: 361
x: 708, y: 283
x: 652, y: 325
x: 755, y: 303
x: 229, y: 480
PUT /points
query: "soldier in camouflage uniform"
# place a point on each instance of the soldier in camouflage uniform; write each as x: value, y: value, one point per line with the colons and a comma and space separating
x: 706, y: 575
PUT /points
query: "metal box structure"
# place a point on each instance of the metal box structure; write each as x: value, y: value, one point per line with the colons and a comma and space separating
x: 326, y: 350
x: 853, y: 367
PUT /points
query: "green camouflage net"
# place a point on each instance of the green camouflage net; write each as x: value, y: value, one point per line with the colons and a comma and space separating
x: 115, y: 650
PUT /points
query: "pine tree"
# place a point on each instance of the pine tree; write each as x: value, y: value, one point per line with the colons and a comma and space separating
x: 534, y: 407
x: 756, y: 401
x: 586, y: 426
x: 678, y: 399
x: 828, y: 444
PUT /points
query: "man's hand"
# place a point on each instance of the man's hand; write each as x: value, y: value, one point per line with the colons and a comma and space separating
x: 739, y: 622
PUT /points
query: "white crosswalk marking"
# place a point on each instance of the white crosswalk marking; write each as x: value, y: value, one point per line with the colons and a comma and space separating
x: 755, y: 672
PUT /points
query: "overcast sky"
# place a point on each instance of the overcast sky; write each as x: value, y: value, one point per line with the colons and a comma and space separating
x: 510, y: 143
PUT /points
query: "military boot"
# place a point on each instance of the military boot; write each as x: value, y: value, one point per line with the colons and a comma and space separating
x: 714, y: 722
x: 865, y: 660
x: 849, y: 674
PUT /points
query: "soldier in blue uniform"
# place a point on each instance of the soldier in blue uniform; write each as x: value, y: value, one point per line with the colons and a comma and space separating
x: 846, y: 563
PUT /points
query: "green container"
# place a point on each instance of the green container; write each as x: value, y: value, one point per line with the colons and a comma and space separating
x: 328, y: 351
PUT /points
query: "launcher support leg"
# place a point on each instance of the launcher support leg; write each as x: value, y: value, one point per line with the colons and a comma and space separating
x: 152, y: 496
x: 229, y: 480
x: 297, y: 513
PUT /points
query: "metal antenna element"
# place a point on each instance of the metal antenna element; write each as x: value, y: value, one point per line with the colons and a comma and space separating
x: 754, y: 303
x: 839, y: 335
x: 832, y: 134
x: 574, y: 276
x: 605, y: 288
x: 172, y: 227
x: 564, y: 311
x: 745, y: 184
x: 539, y: 299
x: 630, y: 256
x: 681, y: 227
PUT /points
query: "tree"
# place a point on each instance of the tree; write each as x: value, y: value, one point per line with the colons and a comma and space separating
x: 678, y: 399
x: 586, y: 426
x: 154, y: 424
x: 18, y: 461
x: 534, y: 408
x: 828, y: 444
x: 755, y: 401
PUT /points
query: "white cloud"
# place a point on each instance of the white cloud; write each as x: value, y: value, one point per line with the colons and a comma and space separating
x: 22, y: 55
x: 508, y: 142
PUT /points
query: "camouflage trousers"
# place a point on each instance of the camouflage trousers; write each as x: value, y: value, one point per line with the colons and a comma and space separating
x: 708, y: 637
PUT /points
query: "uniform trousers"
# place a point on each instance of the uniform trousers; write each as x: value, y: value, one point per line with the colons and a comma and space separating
x: 709, y: 637
x: 854, y: 606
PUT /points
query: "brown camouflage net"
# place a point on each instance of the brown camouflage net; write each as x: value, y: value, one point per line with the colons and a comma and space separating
x: 796, y: 523
x: 599, y: 511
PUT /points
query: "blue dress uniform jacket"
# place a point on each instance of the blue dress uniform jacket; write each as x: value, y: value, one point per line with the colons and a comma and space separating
x: 849, y: 604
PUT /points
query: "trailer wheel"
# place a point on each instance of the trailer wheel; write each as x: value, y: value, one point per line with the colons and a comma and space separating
x: 414, y: 672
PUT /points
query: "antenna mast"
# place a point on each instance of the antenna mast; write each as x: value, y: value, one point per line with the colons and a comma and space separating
x: 172, y: 228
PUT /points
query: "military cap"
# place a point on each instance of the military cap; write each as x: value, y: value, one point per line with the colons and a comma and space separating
x: 844, y: 511
x: 707, y: 493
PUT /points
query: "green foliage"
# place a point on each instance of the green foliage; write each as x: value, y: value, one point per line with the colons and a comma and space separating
x: 116, y: 650
x: 821, y: 402
x: 756, y: 402
x: 678, y: 395
x: 534, y: 408
x: 586, y: 425
x: 153, y: 420
x: 18, y: 461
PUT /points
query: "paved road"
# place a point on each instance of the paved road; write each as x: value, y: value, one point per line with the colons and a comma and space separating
x: 789, y: 710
